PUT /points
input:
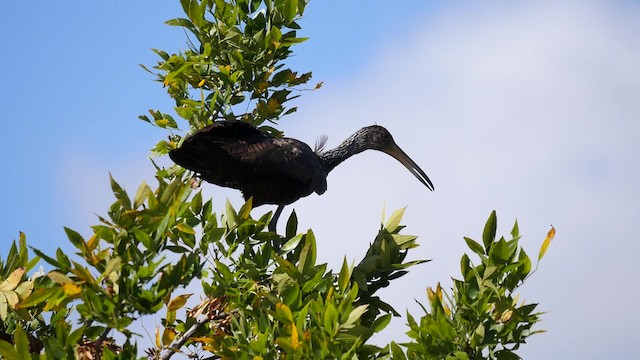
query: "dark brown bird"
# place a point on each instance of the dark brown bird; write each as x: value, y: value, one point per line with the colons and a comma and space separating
x: 276, y: 170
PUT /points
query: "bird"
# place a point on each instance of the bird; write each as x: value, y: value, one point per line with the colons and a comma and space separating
x: 277, y: 171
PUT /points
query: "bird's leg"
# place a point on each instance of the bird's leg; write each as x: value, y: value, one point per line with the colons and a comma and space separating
x: 274, y: 219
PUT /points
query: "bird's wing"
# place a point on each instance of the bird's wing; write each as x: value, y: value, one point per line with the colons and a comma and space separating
x: 204, y: 151
x: 285, y: 156
x: 227, y: 131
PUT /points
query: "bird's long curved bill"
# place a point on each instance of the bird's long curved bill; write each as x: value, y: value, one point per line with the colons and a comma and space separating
x: 402, y: 157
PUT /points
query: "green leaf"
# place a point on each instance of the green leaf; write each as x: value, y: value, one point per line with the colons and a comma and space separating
x: 54, y: 348
x: 489, y: 233
x: 330, y: 318
x: 288, y: 267
x: 308, y: 254
x: 182, y: 227
x: 196, y: 203
x: 500, y: 252
x: 290, y: 10
x: 474, y: 246
x: 8, y: 352
x: 186, y: 23
x: 120, y: 194
x: 292, y: 225
x: 515, y: 232
x: 292, y: 244
x: 394, y: 220
x: 21, y: 343
x: 396, y: 352
x: 380, y: 323
x: 345, y: 276
x: 36, y: 297
x: 75, y: 238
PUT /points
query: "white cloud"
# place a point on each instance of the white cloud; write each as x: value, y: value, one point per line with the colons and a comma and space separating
x: 530, y: 110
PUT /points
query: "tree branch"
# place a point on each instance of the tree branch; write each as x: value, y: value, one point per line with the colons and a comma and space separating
x: 183, y: 338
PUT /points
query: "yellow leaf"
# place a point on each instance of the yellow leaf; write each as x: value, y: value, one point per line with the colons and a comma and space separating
x: 158, y: 339
x: 329, y: 294
x: 294, y: 337
x: 201, y: 83
x: 546, y: 242
x: 12, y: 298
x: 113, y: 265
x: 431, y: 295
x: 71, y: 289
x: 185, y: 228
x: 178, y: 302
x: 3, y: 307
x: 168, y: 335
x: 93, y: 242
x: 506, y: 316
x: 13, y: 280
x: 24, y: 289
x: 59, y: 278
x: 284, y: 313
x: 262, y: 86
x: 273, y: 105
x: 203, y: 339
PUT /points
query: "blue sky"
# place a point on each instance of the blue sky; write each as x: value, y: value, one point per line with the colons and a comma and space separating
x: 528, y: 108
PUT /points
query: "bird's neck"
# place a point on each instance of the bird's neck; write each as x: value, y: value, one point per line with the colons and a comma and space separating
x: 332, y: 158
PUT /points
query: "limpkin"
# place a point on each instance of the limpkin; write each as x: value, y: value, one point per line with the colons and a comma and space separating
x: 272, y: 170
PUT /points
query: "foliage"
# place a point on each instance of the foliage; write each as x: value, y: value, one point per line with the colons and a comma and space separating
x: 483, y: 318
x: 263, y: 295
x: 235, y: 69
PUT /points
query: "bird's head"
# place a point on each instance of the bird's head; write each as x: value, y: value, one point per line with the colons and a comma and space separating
x: 376, y: 137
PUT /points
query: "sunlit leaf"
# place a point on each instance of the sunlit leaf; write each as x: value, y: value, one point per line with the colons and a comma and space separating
x: 355, y: 314
x: 36, y: 297
x: 178, y: 302
x: 547, y: 241
x: 13, y: 280
x: 284, y: 313
x: 71, y: 289
x: 185, y: 228
x: 394, y: 220
x: 24, y: 289
x: 168, y: 335
x: 295, y: 343
x: 113, y: 265
x: 292, y: 244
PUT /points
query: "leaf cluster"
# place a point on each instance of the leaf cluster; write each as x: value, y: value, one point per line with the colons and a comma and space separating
x: 483, y: 318
x: 234, y: 69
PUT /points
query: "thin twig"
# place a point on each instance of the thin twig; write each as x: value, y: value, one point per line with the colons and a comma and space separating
x: 182, y: 339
